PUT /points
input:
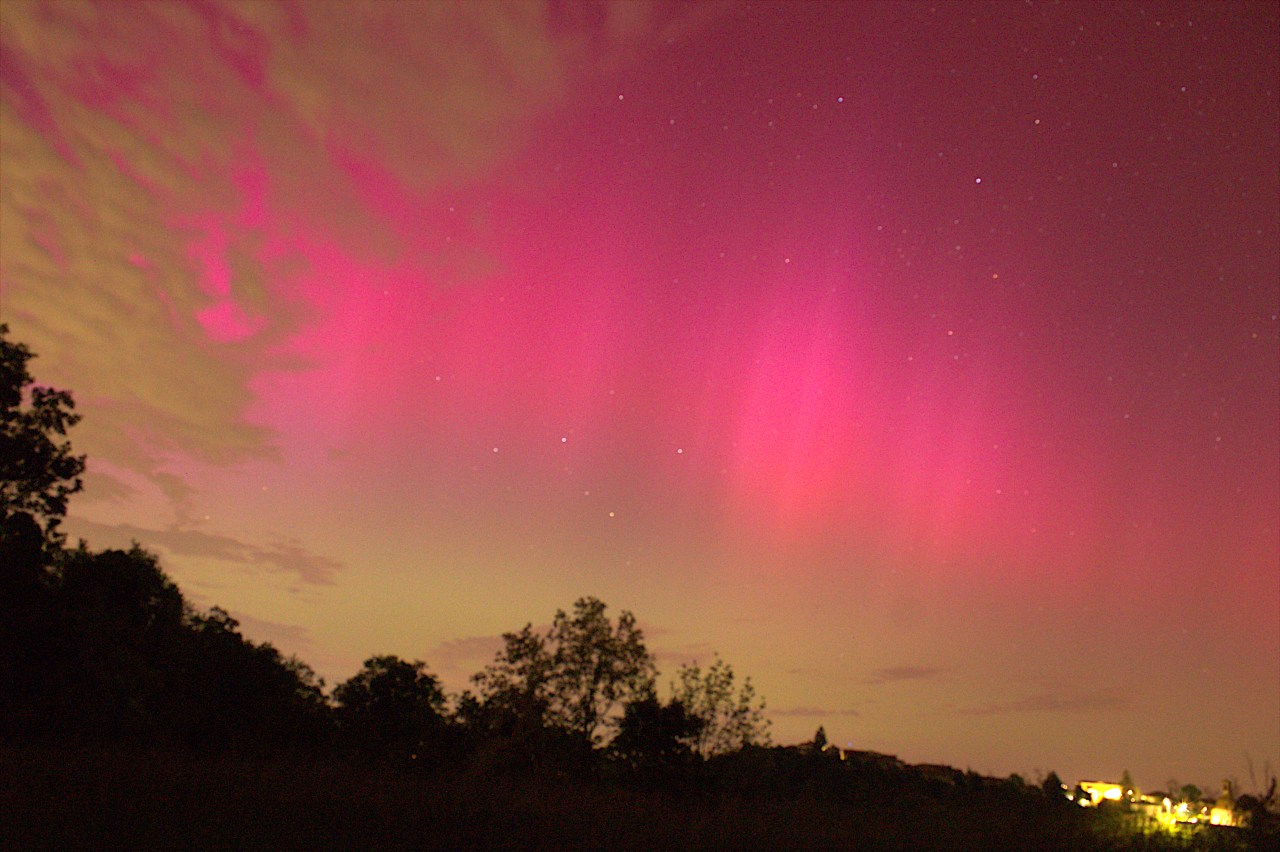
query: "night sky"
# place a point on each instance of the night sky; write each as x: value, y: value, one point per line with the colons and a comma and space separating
x: 920, y: 359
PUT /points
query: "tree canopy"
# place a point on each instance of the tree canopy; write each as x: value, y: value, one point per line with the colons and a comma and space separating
x: 731, y: 717
x: 655, y: 737
x: 571, y: 678
x: 38, y: 471
x: 391, y: 706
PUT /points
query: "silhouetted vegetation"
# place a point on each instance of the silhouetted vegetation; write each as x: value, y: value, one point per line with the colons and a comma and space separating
x: 130, y: 719
x: 37, y: 469
x: 1054, y: 789
x: 732, y: 719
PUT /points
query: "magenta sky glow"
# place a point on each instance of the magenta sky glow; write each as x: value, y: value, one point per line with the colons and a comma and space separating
x: 919, y: 359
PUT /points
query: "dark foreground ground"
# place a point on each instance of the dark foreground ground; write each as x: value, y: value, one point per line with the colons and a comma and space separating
x: 116, y: 799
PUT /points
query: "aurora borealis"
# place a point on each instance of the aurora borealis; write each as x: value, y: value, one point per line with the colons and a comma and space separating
x: 920, y: 359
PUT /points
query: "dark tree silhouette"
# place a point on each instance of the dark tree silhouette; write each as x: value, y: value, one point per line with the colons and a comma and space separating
x: 391, y: 707
x: 1053, y: 787
x: 124, y: 622
x: 102, y: 645
x: 125, y: 590
x: 37, y: 475
x: 732, y: 717
x: 820, y: 739
x: 653, y: 738
x: 597, y: 665
x: 38, y: 472
x: 549, y: 699
x: 24, y: 557
x: 1260, y: 816
x: 513, y: 692
x: 571, y: 679
x: 236, y: 693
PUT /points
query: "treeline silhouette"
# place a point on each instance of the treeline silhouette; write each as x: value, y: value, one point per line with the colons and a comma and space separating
x: 130, y: 718
x: 101, y: 646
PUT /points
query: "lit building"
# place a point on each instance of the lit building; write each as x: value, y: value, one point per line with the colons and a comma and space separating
x: 1223, y: 811
x: 1103, y: 791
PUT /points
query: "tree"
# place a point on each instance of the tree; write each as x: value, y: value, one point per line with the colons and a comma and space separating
x: 93, y: 654
x: 513, y: 693
x: 654, y: 737
x: 392, y: 707
x: 123, y: 589
x: 1259, y: 814
x: 571, y: 679
x: 103, y: 644
x: 1053, y: 787
x: 24, y: 555
x: 596, y: 666
x: 121, y: 621
x: 1189, y: 793
x: 233, y: 692
x: 37, y: 469
x: 731, y: 719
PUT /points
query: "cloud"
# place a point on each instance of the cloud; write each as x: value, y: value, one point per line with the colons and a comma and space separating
x: 182, y: 180
x: 1048, y: 703
x: 100, y: 486
x: 161, y: 161
x: 285, y: 557
x: 804, y: 712
x: 456, y: 660
x: 179, y: 177
x: 894, y: 674
x: 139, y: 123
x: 466, y: 652
x: 471, y: 71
